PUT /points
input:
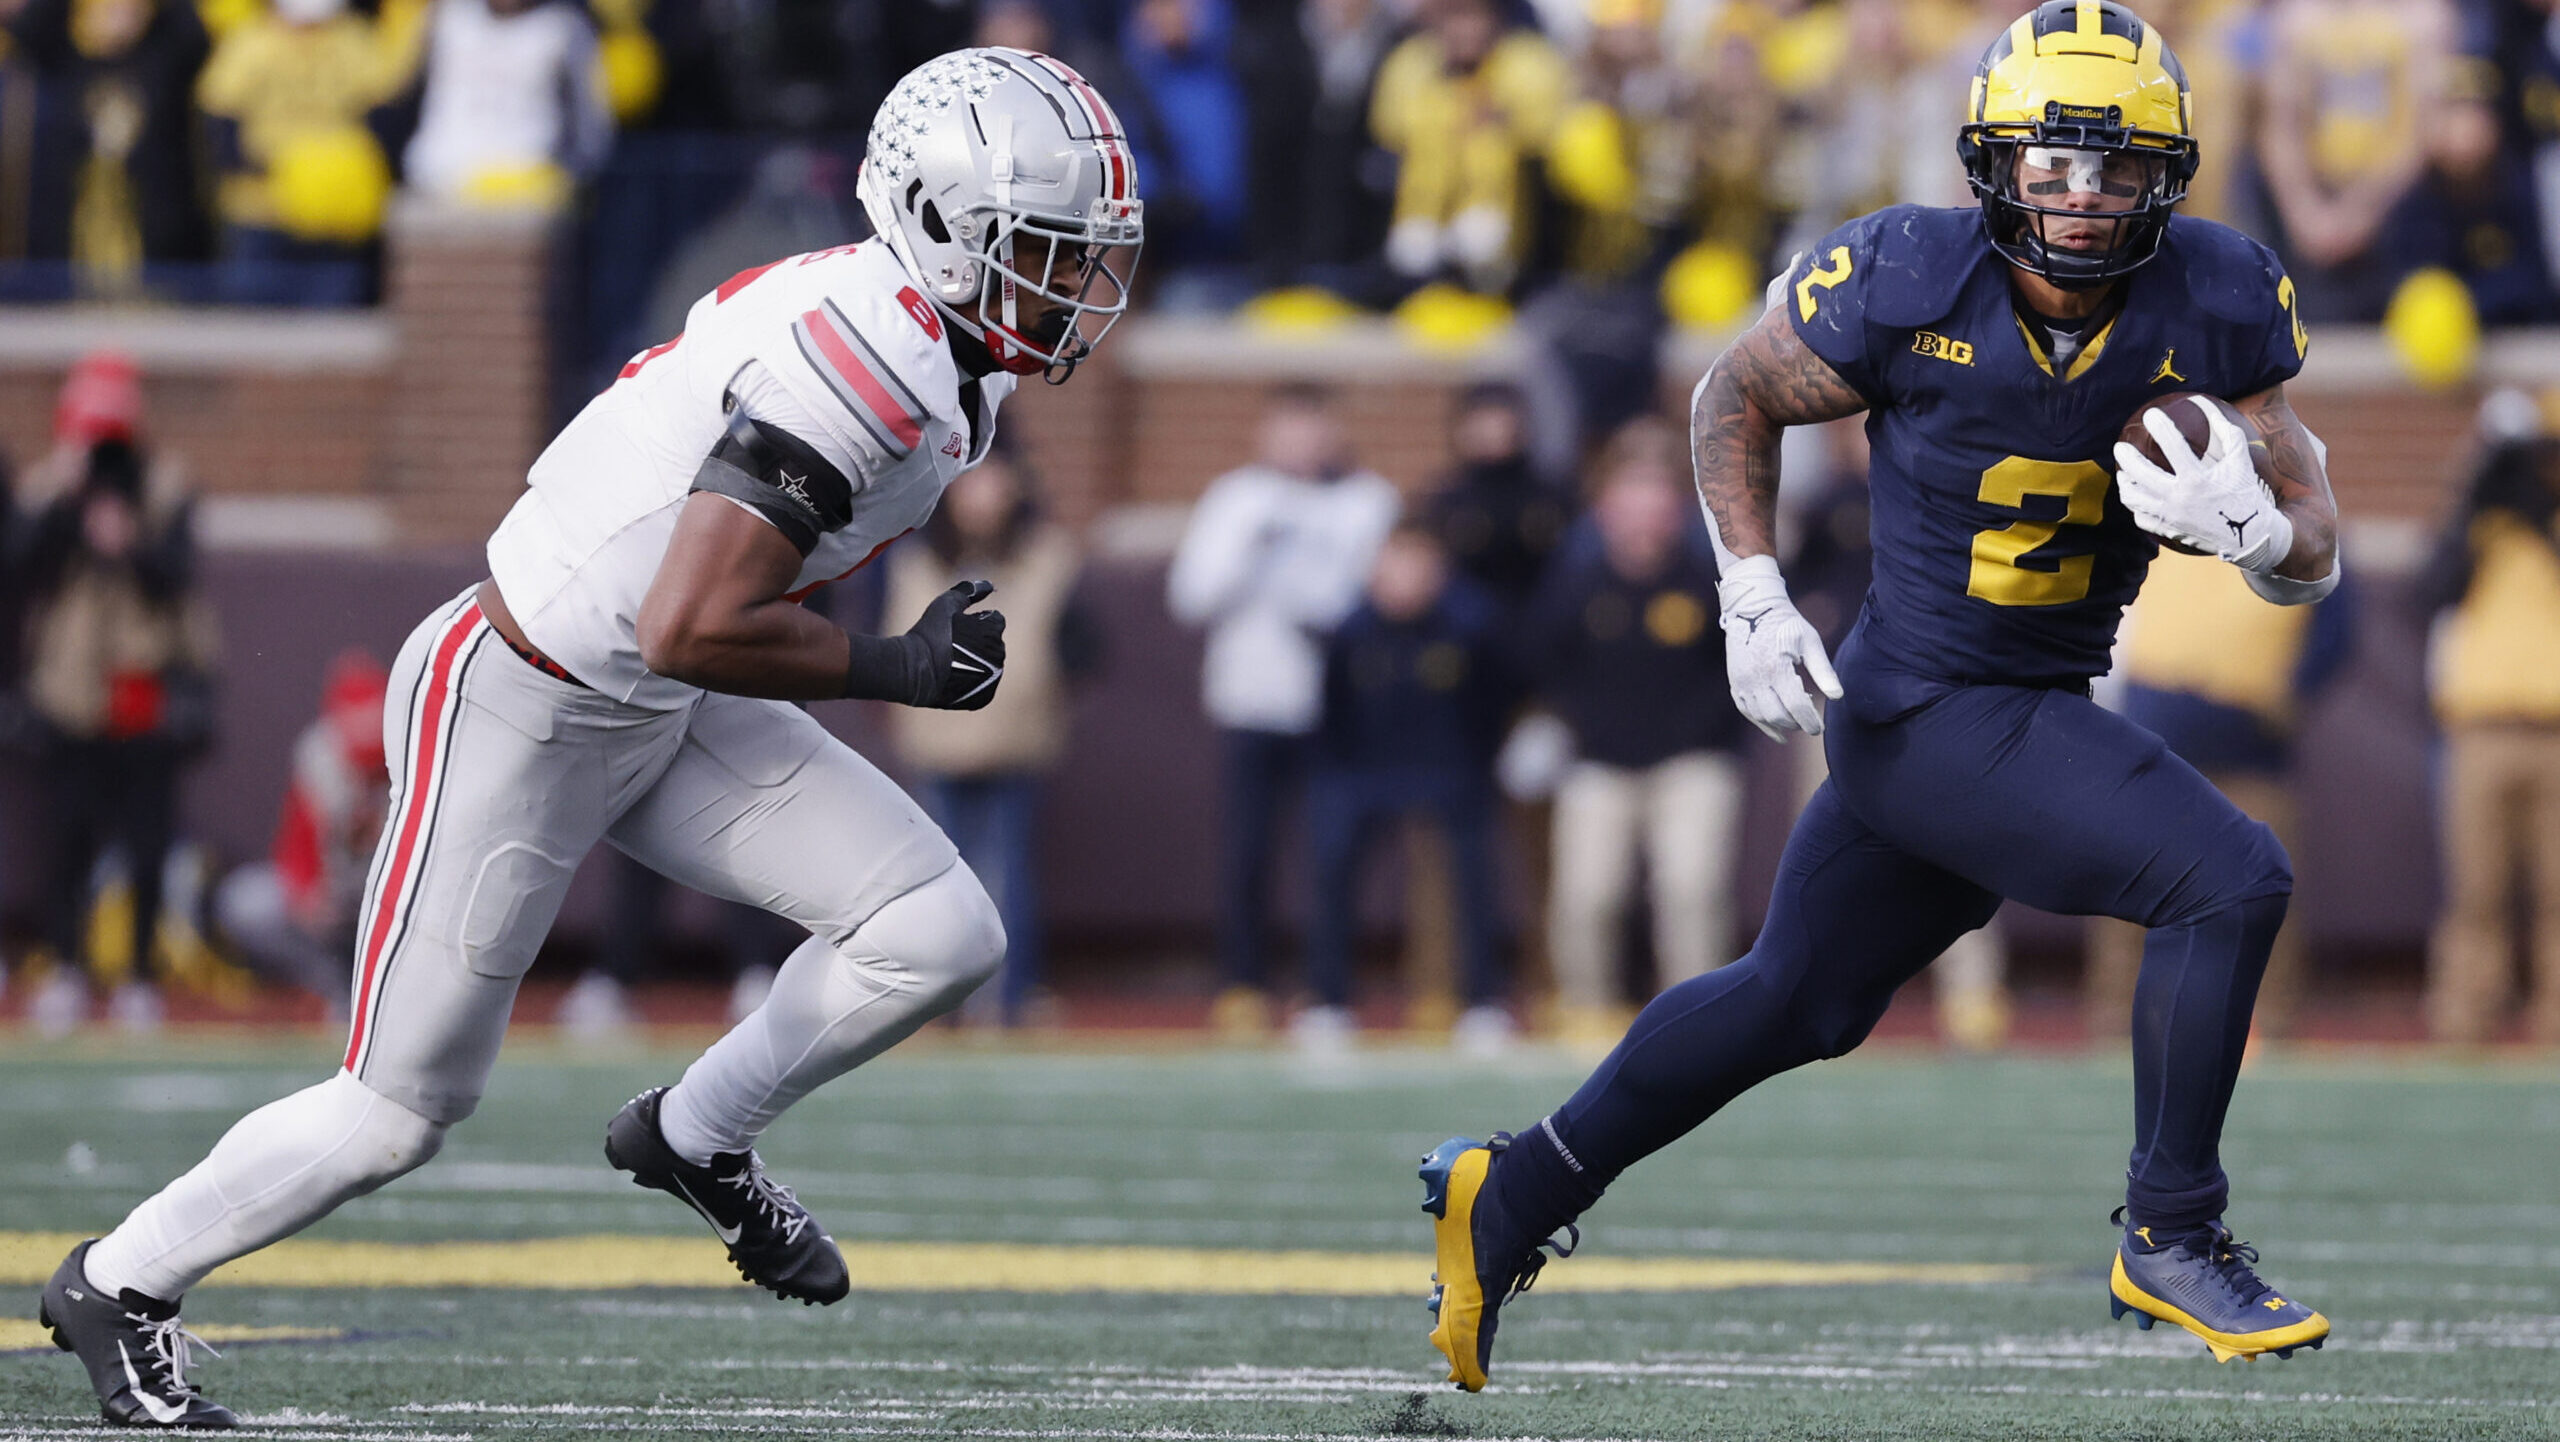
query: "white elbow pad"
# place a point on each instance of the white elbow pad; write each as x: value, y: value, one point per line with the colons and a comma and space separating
x: 2285, y: 591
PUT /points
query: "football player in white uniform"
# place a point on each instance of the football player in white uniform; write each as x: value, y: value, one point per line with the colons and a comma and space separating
x: 624, y: 676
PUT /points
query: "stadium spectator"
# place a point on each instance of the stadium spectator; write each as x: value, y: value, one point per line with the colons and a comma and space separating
x: 1465, y: 106
x: 2358, y: 94
x: 982, y: 770
x: 2476, y: 211
x: 513, y: 113
x: 2496, y: 681
x: 2223, y: 678
x: 1622, y: 168
x: 112, y: 179
x: 119, y: 675
x: 1623, y: 644
x: 1350, y: 190
x: 1415, y: 694
x: 292, y: 917
x: 1275, y: 556
x: 1315, y: 202
x: 1192, y: 148
x: 2525, y: 44
x: 285, y: 99
x: 1499, y: 521
x: 2223, y: 47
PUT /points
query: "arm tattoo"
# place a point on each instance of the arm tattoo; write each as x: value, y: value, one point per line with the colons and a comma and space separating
x: 2300, y: 483
x: 1765, y: 381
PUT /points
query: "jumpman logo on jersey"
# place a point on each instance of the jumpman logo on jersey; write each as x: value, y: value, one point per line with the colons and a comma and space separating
x: 2168, y: 368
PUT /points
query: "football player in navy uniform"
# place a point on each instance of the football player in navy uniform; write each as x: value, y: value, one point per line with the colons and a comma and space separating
x: 1997, y: 353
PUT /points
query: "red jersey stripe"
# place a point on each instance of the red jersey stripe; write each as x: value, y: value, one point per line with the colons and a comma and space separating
x: 849, y: 367
x: 434, y: 710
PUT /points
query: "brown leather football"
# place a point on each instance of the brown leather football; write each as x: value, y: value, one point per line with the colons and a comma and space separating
x: 2180, y: 407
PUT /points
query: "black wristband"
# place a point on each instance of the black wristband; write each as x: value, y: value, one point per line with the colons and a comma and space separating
x: 888, y: 668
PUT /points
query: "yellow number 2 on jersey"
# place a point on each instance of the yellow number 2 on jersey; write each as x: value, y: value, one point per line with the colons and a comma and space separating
x: 1997, y: 577
x: 1821, y: 277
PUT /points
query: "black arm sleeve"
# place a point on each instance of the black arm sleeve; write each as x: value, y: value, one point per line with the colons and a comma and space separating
x: 780, y: 477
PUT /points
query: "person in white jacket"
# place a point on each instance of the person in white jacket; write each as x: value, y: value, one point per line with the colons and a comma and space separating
x: 1274, y: 558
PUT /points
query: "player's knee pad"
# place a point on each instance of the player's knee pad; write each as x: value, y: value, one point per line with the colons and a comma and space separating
x: 2244, y: 863
x: 2265, y: 861
x: 389, y: 1140
x: 945, y: 933
x: 364, y: 1138
x: 1833, y: 1026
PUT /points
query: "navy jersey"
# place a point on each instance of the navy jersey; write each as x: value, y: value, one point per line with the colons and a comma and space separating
x: 2002, y: 552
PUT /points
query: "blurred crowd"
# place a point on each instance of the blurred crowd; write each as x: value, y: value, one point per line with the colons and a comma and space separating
x: 1517, y: 677
x: 1509, y: 679
x: 1603, y: 167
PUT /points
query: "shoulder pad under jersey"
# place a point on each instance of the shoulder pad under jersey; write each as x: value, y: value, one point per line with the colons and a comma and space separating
x: 2228, y: 275
x: 879, y: 349
x: 1921, y: 257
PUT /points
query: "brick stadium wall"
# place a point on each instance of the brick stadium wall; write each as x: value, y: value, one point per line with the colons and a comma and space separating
x: 433, y: 407
x: 471, y: 398
x: 259, y: 404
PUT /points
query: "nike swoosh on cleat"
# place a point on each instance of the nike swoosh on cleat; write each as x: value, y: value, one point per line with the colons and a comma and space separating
x: 161, y: 1412
x: 728, y: 1235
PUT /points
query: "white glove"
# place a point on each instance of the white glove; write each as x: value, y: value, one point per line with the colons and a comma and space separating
x: 1765, y: 640
x: 2213, y: 502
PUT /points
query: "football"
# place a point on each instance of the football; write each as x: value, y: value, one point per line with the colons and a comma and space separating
x: 2191, y: 425
x: 2189, y: 421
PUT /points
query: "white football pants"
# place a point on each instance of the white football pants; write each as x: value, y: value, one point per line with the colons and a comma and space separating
x: 503, y: 779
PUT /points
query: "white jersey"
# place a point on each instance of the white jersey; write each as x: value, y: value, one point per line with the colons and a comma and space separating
x: 836, y: 347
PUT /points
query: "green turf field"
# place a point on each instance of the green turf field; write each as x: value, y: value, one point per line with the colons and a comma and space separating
x: 2417, y: 1203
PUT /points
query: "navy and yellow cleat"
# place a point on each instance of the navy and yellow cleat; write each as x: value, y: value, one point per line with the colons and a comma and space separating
x: 1483, y: 1260
x: 2203, y: 1281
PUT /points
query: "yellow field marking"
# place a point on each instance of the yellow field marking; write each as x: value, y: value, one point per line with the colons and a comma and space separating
x: 604, y: 1263
x: 18, y: 1335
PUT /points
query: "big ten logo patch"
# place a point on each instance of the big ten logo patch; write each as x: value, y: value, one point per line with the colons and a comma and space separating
x: 1675, y: 619
x: 1930, y: 343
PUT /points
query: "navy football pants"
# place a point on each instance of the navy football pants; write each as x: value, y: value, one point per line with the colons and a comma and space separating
x: 1927, y: 821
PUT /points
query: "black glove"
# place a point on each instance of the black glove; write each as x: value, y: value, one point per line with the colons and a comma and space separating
x: 950, y: 659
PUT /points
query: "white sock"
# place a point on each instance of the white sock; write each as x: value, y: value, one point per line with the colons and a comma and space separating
x: 278, y: 1170
x: 832, y: 1009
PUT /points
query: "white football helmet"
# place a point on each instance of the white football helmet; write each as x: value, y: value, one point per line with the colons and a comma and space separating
x: 995, y: 171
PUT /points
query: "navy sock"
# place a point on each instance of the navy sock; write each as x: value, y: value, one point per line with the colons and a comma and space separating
x: 2190, y: 1028
x: 1540, y: 1184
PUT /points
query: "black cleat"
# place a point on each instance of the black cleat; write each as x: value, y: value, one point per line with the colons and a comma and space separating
x: 135, y: 1349
x: 772, y: 1239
